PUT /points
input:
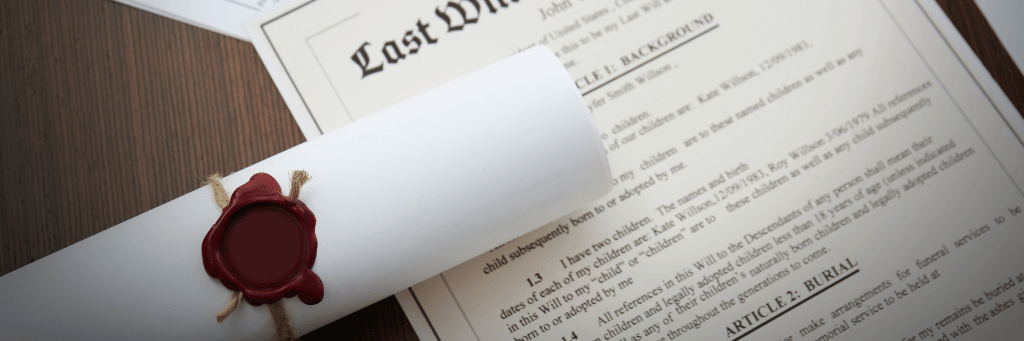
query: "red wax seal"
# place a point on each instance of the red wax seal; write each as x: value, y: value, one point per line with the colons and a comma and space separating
x: 264, y: 245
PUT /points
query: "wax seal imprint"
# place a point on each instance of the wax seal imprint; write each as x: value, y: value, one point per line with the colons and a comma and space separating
x: 264, y: 245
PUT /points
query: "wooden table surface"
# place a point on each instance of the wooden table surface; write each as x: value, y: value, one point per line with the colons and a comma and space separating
x: 108, y: 111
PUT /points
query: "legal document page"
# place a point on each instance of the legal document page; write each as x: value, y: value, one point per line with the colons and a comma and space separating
x: 783, y: 170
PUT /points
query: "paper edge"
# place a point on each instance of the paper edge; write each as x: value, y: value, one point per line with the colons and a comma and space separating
x: 282, y: 81
x: 973, y: 66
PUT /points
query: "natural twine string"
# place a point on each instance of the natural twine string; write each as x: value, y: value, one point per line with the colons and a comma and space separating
x: 299, y: 178
x: 236, y: 299
x: 282, y: 322
x: 220, y: 196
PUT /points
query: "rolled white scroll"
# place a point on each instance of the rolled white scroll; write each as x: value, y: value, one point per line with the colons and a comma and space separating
x: 399, y: 196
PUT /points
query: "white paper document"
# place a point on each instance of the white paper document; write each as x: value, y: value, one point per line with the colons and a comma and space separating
x: 221, y: 16
x: 782, y: 170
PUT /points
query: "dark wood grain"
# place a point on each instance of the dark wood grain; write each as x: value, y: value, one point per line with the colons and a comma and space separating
x: 973, y: 26
x: 107, y: 111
